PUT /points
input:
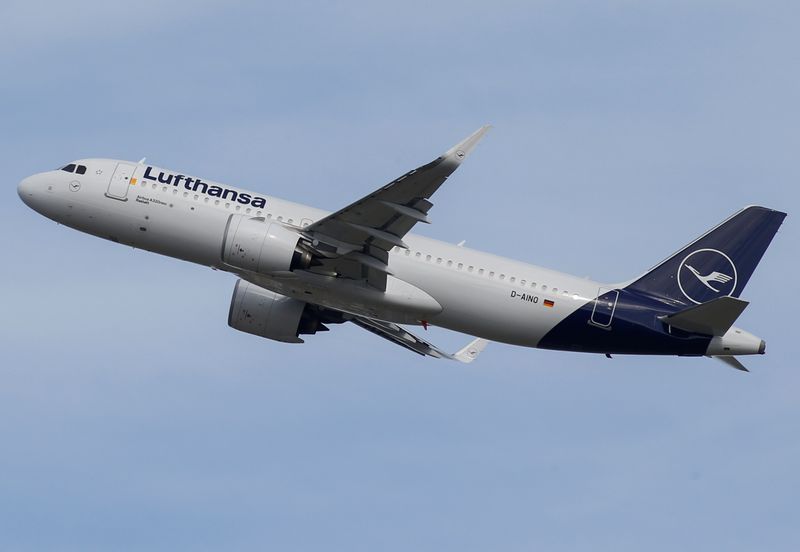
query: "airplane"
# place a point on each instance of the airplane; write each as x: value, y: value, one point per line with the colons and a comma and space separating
x: 302, y: 269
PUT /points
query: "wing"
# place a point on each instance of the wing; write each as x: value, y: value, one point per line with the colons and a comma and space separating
x: 354, y: 242
x: 404, y: 338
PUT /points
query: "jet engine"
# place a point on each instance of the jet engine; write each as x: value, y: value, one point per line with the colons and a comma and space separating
x: 256, y: 245
x: 261, y: 312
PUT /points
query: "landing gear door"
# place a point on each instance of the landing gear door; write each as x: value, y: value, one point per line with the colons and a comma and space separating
x: 604, y: 307
x: 120, y: 181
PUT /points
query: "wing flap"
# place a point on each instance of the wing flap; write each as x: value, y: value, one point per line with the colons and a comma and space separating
x: 400, y: 336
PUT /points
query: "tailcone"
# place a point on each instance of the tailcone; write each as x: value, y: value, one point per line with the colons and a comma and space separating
x: 736, y: 341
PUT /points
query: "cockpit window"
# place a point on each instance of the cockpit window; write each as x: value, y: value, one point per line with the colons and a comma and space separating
x: 73, y: 168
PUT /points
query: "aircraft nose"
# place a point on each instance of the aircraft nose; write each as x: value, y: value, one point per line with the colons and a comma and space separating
x: 25, y: 189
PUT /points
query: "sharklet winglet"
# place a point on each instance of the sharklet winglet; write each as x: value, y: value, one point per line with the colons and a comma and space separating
x: 471, y: 351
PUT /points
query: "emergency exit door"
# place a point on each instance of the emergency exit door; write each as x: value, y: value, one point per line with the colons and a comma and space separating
x: 120, y: 180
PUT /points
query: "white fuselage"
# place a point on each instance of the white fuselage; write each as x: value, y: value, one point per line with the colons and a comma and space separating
x: 443, y: 284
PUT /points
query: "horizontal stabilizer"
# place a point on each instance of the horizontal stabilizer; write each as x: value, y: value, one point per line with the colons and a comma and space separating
x: 712, y: 318
x: 733, y: 362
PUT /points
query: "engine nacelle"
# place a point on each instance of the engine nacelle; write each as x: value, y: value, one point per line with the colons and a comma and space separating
x: 258, y: 311
x: 254, y: 244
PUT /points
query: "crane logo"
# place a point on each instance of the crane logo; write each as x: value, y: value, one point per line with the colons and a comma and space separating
x: 706, y: 274
x: 713, y: 277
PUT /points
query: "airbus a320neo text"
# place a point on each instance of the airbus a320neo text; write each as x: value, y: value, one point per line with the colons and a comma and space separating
x: 301, y: 269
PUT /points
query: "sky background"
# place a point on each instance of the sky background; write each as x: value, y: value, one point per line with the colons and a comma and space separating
x: 133, y: 418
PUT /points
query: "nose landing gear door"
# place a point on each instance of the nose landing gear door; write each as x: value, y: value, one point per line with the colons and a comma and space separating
x: 604, y: 306
x: 120, y: 181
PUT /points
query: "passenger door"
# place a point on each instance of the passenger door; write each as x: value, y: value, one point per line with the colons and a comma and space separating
x: 120, y: 181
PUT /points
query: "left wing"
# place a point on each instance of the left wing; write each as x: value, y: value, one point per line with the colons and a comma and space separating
x: 354, y: 242
x: 404, y: 338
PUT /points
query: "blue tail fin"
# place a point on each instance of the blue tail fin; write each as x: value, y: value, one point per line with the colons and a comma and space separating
x: 717, y: 264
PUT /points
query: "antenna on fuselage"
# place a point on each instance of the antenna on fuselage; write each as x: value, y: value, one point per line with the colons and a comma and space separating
x: 142, y: 160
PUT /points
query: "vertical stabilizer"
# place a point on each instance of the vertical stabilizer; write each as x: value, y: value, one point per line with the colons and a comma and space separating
x: 717, y: 264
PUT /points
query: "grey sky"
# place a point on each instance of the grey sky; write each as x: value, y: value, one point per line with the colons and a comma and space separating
x: 132, y: 418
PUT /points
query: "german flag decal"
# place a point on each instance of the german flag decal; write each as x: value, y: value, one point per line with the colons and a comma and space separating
x: 548, y: 303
